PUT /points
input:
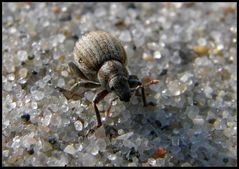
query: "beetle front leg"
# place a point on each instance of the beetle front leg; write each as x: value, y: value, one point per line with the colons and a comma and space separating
x: 69, y: 94
x: 107, y: 112
x: 74, y: 92
x: 84, y: 84
x: 136, y: 84
x: 98, y: 97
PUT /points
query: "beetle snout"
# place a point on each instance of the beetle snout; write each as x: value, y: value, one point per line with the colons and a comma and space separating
x: 125, y: 97
x: 119, y: 84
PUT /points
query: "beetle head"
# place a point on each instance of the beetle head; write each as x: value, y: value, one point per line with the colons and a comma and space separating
x: 120, y: 86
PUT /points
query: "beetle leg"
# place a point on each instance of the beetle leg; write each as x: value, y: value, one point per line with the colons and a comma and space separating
x: 134, y: 81
x: 69, y: 94
x: 107, y: 112
x: 136, y: 84
x: 98, y: 97
x: 75, y: 70
x: 142, y: 90
x: 74, y: 93
x: 84, y: 84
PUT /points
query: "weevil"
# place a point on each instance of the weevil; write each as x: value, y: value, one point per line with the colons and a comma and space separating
x: 100, y: 61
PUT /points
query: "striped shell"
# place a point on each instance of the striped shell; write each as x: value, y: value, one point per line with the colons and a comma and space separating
x: 94, y: 49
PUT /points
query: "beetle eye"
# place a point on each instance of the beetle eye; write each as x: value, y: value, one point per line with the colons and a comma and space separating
x: 112, y: 88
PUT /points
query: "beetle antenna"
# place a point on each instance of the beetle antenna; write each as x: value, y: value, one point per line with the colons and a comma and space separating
x: 145, y: 85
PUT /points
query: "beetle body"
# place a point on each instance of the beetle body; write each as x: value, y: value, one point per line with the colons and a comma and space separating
x: 102, y: 58
x: 96, y: 48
